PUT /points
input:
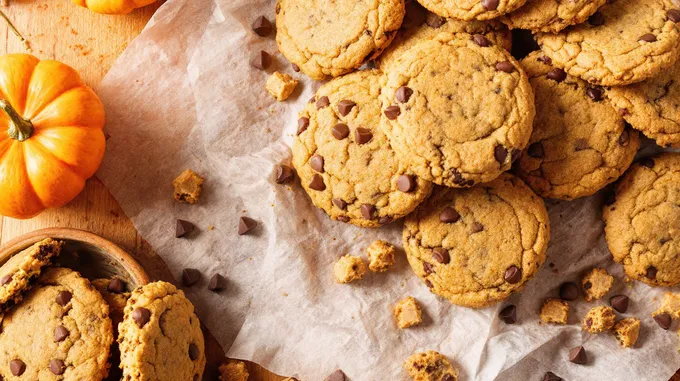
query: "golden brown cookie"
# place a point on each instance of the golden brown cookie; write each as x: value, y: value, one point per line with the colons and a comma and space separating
x: 599, y: 319
x: 348, y: 269
x: 380, y: 256
x: 627, y: 331
x: 430, y: 366
x: 596, y: 284
x: 472, y: 9
x: 407, y: 313
x: 555, y: 311
x: 551, y: 15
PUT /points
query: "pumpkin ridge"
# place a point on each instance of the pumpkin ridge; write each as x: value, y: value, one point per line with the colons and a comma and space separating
x: 20, y: 155
x: 48, y: 154
x: 36, y: 117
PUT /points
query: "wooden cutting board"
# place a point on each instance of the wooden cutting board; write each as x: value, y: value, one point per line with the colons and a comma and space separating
x: 57, y: 29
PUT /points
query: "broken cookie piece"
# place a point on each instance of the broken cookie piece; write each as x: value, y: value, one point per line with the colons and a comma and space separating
x: 280, y: 86
x: 408, y: 313
x: 599, y: 319
x: 670, y: 304
x: 627, y: 331
x: 380, y: 256
x: 596, y: 284
x: 555, y: 311
x: 188, y: 187
x: 233, y: 370
x: 430, y: 366
x: 348, y: 269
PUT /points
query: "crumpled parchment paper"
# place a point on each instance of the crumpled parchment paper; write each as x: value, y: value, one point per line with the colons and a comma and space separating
x: 184, y: 96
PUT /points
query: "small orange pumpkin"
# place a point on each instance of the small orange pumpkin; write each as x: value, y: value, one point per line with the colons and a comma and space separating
x: 54, y: 139
x: 113, y: 7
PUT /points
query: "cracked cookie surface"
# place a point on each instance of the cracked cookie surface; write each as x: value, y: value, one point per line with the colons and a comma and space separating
x: 472, y: 9
x: 579, y: 143
x: 160, y: 337
x: 551, y: 15
x: 468, y: 113
x: 629, y: 41
x: 331, y: 38
x: 477, y: 246
x: 652, y: 106
x: 60, y: 331
x: 642, y: 225
x: 344, y: 160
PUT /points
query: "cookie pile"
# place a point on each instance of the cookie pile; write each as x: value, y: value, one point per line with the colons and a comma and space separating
x: 57, y: 325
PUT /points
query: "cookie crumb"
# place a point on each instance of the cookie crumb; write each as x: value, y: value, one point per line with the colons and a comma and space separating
x: 596, y: 284
x: 430, y: 366
x: 234, y: 370
x: 670, y: 304
x: 408, y: 313
x: 555, y: 311
x: 599, y: 319
x: 348, y: 269
x: 380, y: 256
x: 280, y: 86
x: 627, y: 331
x: 188, y: 187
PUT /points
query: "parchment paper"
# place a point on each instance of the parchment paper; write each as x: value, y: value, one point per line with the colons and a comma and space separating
x: 184, y: 96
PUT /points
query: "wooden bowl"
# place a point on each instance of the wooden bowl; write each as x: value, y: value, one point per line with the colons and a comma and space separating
x: 91, y: 255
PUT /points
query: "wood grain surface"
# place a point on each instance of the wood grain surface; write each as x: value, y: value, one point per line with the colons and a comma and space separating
x: 57, y: 29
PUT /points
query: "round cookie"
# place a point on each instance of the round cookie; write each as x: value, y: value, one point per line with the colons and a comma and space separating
x: 551, y: 15
x: 652, y: 106
x: 472, y: 9
x: 626, y: 41
x: 61, y: 331
x: 642, y: 222
x: 579, y: 143
x: 345, y: 161
x: 331, y: 38
x: 477, y: 246
x: 160, y: 320
x: 457, y: 109
x: 420, y: 24
x: 18, y: 273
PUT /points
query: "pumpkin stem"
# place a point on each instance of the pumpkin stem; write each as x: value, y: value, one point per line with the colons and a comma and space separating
x: 19, y: 128
x: 12, y: 27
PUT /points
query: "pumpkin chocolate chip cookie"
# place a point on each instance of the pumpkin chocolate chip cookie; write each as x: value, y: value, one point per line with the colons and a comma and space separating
x: 331, y: 38
x: 160, y: 320
x: 457, y: 109
x: 477, y: 246
x: 579, y: 143
x: 472, y: 9
x: 551, y: 15
x: 19, y: 271
x: 652, y: 106
x: 60, y: 331
x: 344, y: 160
x: 643, y: 222
x: 626, y: 41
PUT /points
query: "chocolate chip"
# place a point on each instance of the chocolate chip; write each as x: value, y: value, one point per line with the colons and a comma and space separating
x: 57, y: 367
x: 303, y: 123
x: 60, y: 333
x: 550, y: 376
x: 384, y: 220
x: 663, y: 320
x: 343, y: 218
x: 673, y: 15
x: 63, y: 297
x: 182, y: 228
x: 295, y: 67
x: 261, y: 60
x: 513, y: 274
x: 448, y: 377
x: 595, y: 93
x: 535, y: 150
x: 403, y: 94
x: 490, y: 5
x: 557, y: 75
x: 476, y: 227
x: 322, y: 102
x: 317, y: 183
x: 217, y: 283
x: 362, y: 135
x: 116, y: 286
x: 427, y: 268
x: 619, y: 303
x: 500, y: 154
x: 481, y: 40
x: 262, y: 26
x: 581, y: 145
x: 246, y: 224
x: 141, y: 316
x: 505, y: 66
x: 193, y: 352
x: 190, y: 277
x: 340, y: 131
x: 5, y: 279
x: 17, y: 367
x: 449, y: 215
x: 434, y: 20
x: 392, y: 112
x: 509, y: 314
x: 284, y: 174
x: 338, y: 375
x: 406, y: 183
x: 441, y: 255
x: 589, y: 322
x: 623, y: 138
x: 545, y: 59
x: 587, y: 286
x: 340, y: 203
x: 368, y: 211
x: 610, y: 197
x: 345, y: 106
x: 569, y: 291
x: 651, y: 272
x: 578, y: 355
x: 596, y: 19
x: 648, y: 37
x: 316, y: 162
x: 428, y: 283
x: 647, y: 162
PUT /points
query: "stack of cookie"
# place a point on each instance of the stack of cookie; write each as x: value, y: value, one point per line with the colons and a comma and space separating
x: 57, y: 325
